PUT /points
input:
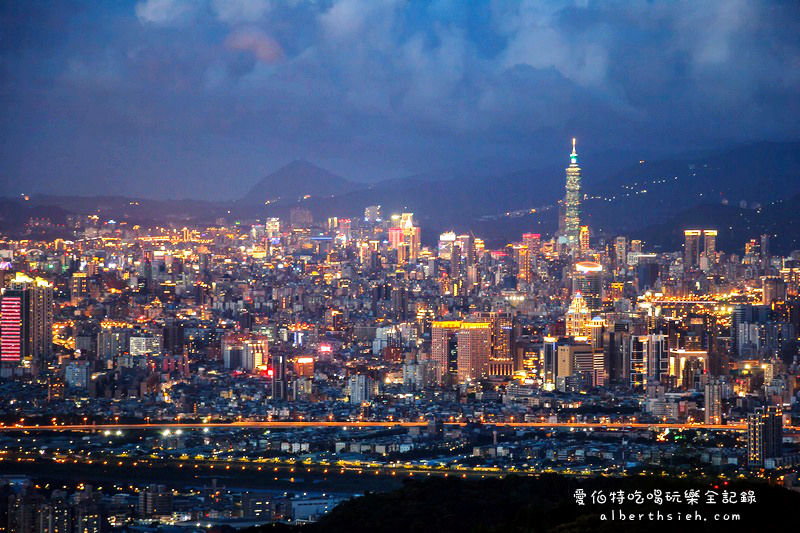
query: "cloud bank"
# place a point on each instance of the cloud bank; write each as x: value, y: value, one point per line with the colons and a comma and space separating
x: 202, y: 97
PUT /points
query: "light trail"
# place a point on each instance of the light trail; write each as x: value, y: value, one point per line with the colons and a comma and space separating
x: 376, y: 424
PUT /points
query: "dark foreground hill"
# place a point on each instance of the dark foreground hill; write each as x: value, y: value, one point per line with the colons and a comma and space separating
x: 547, y: 504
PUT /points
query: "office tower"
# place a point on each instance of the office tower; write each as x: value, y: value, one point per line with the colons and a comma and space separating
x: 501, y: 362
x: 574, y: 358
x: 765, y: 246
x: 280, y: 383
x: 710, y: 243
x: 533, y: 241
x: 773, y: 289
x: 648, y: 358
x: 246, y: 351
x: 744, y: 314
x: 548, y: 362
x: 691, y: 247
x: 405, y: 238
x: 466, y: 244
x: 578, y: 317
x: 26, y: 324
x: 521, y: 256
x: 686, y: 366
x: 621, y: 250
x: 647, y: 272
x: 446, y: 241
x: 502, y: 332
x: 752, y: 247
x: 636, y: 246
x: 304, y: 367
x: 764, y: 435
x: 444, y: 347
x: 764, y: 340
x: 474, y: 350
x: 583, y: 238
x: 173, y: 335
x: 713, y: 401
x: 256, y: 352
x: 588, y: 280
x: 572, y: 200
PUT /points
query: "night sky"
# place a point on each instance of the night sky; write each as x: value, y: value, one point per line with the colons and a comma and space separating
x: 201, y: 98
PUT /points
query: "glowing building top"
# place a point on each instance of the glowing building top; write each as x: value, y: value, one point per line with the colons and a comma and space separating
x: 572, y: 200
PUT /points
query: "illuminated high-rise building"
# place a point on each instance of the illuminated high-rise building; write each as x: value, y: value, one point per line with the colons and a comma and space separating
x: 572, y: 200
x: 588, y: 280
x: 713, y: 401
x: 12, y: 335
x: 710, y: 242
x: 446, y: 244
x: 691, y: 247
x: 522, y: 258
x: 764, y: 435
x: 578, y: 317
x: 533, y: 241
x: 444, y: 348
x: 26, y: 324
x: 474, y: 350
x: 648, y: 358
x: 583, y: 238
x: 467, y: 245
x: 405, y: 238
x: 79, y: 286
x: 501, y: 362
x: 621, y: 250
x: 280, y: 382
x: 773, y: 289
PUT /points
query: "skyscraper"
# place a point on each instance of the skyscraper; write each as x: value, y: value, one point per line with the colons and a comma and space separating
x: 713, y: 400
x: 691, y: 247
x: 26, y: 326
x: 764, y: 435
x: 588, y: 280
x: 572, y: 200
x: 578, y: 317
x: 474, y: 350
x: 621, y: 250
x: 405, y: 238
x: 444, y: 347
x: 280, y: 384
x: 584, y: 238
x: 710, y: 243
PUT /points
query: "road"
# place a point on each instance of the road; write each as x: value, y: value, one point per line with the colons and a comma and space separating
x: 356, y: 425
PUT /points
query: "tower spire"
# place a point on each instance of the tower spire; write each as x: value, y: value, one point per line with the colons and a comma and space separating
x: 574, y: 152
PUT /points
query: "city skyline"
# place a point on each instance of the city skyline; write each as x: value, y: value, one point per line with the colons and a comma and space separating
x: 388, y: 265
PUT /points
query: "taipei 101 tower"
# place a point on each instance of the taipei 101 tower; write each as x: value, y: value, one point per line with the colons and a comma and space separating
x: 572, y: 201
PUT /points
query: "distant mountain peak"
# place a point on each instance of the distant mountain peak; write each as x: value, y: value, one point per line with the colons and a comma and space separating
x: 297, y: 179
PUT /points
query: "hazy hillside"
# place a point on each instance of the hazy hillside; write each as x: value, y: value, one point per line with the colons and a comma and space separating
x: 295, y: 180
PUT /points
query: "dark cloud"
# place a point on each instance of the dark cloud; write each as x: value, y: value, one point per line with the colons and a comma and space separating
x: 202, y: 97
